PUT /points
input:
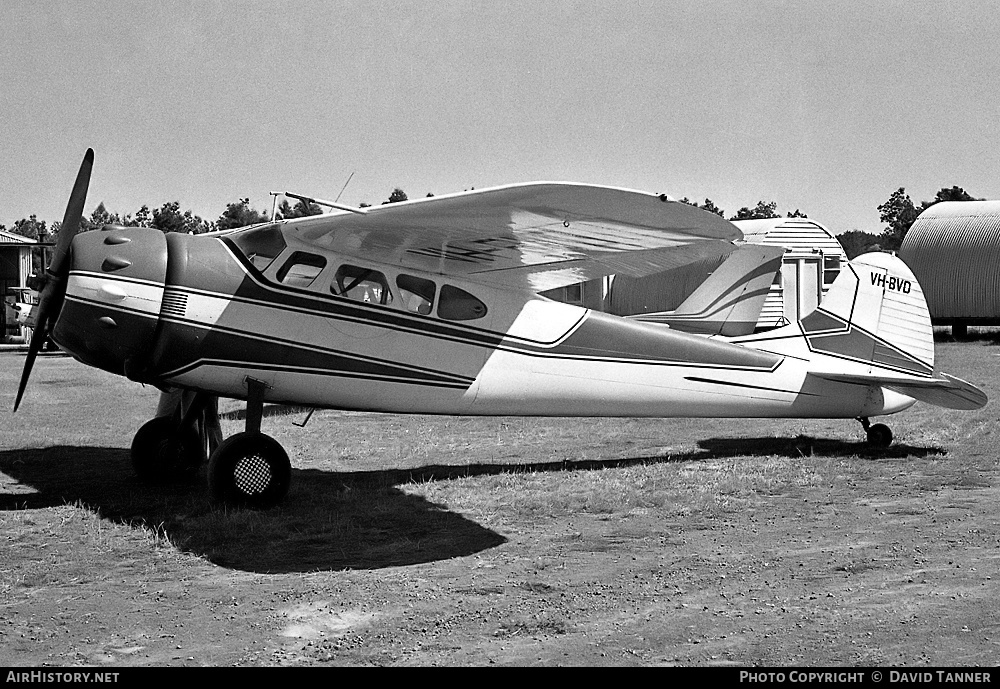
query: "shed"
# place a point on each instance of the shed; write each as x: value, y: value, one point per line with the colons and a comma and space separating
x: 15, y: 267
x: 953, y: 249
x: 812, y: 261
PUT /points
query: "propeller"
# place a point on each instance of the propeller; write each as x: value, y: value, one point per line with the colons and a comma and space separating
x: 52, y: 292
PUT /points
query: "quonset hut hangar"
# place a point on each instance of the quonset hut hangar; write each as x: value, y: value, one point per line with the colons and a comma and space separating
x: 953, y: 249
x: 811, y: 263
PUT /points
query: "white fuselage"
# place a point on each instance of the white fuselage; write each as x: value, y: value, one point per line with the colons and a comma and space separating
x: 525, y: 356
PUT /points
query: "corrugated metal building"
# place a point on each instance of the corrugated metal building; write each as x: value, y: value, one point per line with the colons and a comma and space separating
x: 812, y: 261
x: 953, y: 249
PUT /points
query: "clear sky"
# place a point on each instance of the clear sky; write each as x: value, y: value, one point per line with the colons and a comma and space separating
x: 822, y: 106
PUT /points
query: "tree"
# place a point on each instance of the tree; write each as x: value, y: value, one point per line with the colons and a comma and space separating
x: 169, y: 218
x: 763, y: 210
x: 99, y: 218
x: 898, y: 213
x: 141, y: 219
x: 239, y: 214
x: 712, y: 208
x: 796, y: 214
x: 953, y: 194
x: 30, y: 227
x: 300, y: 210
x: 856, y: 243
x: 707, y: 206
x: 396, y: 196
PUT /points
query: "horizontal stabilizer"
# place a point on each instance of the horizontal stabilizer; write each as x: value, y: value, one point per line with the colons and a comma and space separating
x: 727, y: 302
x: 942, y: 390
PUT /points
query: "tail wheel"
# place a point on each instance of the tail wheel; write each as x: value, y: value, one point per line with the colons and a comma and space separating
x: 249, y: 470
x: 879, y: 435
x: 163, y: 454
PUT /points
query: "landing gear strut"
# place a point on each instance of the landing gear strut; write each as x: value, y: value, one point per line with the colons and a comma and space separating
x: 250, y: 469
x: 169, y: 449
x: 879, y: 435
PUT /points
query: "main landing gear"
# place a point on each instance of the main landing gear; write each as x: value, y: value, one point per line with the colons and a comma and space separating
x: 249, y: 469
x: 879, y: 435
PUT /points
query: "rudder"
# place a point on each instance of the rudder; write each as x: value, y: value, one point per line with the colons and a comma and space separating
x: 875, y: 312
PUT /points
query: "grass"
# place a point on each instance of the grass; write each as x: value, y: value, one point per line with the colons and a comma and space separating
x: 379, y: 494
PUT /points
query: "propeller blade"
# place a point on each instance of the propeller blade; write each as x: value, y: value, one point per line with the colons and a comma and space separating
x: 37, y: 340
x: 74, y: 213
x: 52, y: 293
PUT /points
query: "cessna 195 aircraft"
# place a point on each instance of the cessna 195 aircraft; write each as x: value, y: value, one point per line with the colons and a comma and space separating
x: 432, y: 306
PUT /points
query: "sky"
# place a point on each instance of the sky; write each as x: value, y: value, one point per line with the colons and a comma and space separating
x: 825, y: 107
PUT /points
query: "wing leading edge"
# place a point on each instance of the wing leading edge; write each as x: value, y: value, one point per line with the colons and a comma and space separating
x: 538, y: 235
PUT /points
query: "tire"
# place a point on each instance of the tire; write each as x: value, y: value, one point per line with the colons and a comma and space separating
x: 879, y: 436
x: 249, y: 470
x: 161, y: 455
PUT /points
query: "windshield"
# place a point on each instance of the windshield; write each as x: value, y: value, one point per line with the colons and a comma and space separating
x: 260, y: 245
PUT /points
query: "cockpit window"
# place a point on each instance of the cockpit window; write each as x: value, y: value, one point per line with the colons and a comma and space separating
x: 417, y: 294
x: 301, y: 269
x: 261, y: 245
x: 361, y: 284
x: 458, y: 305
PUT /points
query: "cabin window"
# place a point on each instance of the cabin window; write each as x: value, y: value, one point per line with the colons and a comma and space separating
x: 458, y: 305
x: 361, y: 284
x: 301, y: 269
x: 261, y: 245
x: 417, y: 294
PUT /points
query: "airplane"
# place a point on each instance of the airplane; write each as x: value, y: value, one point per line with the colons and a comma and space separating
x: 431, y: 306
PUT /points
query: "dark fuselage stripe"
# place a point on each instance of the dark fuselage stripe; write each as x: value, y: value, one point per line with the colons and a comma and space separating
x: 334, y: 373
x: 240, y: 333
x: 747, y: 386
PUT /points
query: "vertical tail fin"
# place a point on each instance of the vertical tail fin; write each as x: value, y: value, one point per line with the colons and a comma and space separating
x: 875, y: 313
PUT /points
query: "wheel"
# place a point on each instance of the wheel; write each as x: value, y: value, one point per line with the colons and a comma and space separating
x: 249, y: 470
x: 879, y: 435
x: 161, y: 454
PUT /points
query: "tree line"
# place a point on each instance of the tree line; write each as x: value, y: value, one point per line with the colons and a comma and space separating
x: 898, y: 213
x: 170, y: 218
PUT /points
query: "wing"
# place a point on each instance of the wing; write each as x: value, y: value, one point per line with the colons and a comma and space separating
x: 537, y: 236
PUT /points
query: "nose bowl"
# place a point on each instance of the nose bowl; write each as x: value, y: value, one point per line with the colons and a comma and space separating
x: 113, y: 296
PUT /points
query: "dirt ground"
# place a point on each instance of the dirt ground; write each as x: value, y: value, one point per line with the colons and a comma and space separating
x: 832, y: 556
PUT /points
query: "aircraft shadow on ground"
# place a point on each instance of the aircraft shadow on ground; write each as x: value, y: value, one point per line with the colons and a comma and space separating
x: 327, y: 523
x: 709, y: 449
x: 331, y: 520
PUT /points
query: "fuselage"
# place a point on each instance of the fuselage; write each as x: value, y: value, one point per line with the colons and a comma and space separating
x: 320, y: 329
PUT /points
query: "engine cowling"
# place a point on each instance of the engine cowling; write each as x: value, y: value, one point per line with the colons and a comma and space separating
x: 114, y: 292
